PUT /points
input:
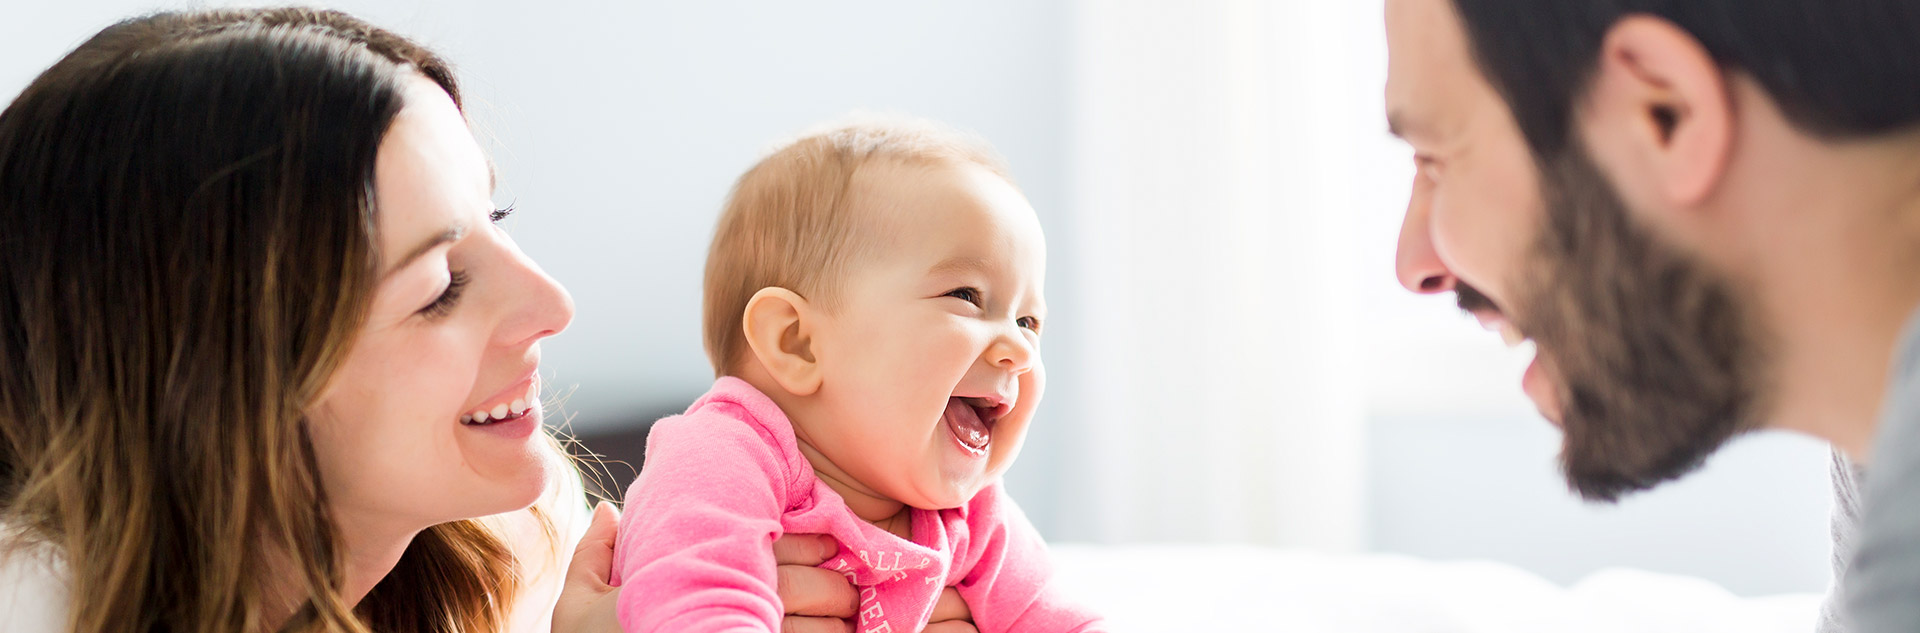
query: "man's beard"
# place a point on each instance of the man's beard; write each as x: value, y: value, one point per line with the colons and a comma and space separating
x: 1656, y: 361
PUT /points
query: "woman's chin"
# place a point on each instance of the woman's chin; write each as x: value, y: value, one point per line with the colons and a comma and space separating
x: 510, y: 478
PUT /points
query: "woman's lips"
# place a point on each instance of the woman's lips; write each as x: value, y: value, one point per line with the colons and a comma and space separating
x: 514, y: 427
x: 511, y: 404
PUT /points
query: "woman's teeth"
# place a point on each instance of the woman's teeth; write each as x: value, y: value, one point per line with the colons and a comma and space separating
x: 505, y: 410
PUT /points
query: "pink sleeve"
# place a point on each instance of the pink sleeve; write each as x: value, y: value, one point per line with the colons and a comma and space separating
x: 695, y: 545
x: 1008, y: 586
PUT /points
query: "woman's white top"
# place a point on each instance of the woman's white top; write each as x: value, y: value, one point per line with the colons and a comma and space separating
x: 33, y: 586
x: 35, y: 593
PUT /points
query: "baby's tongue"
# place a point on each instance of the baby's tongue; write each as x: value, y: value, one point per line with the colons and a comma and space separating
x: 966, y: 425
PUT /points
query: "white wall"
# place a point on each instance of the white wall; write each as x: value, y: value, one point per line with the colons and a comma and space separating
x: 619, y: 125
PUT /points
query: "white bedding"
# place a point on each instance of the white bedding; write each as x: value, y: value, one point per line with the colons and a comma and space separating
x: 1153, y: 588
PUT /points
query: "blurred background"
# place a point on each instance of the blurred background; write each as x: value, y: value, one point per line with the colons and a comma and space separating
x: 1230, y: 358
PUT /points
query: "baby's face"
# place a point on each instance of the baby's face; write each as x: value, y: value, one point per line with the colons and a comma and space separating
x: 931, y: 363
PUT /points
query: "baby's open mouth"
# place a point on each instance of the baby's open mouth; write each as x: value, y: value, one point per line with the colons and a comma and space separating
x: 972, y: 419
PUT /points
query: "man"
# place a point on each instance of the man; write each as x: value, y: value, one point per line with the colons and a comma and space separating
x: 1706, y: 215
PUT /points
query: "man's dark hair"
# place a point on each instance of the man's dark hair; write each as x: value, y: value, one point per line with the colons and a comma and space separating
x: 1838, y: 68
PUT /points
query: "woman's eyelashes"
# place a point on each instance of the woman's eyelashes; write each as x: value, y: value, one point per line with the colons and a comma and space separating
x: 443, y: 304
x: 457, y: 279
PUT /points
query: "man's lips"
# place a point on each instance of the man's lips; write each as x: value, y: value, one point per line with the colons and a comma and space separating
x: 1494, y: 321
x: 1536, y: 381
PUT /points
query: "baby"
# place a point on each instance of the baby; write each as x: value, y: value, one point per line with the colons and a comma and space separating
x: 873, y: 309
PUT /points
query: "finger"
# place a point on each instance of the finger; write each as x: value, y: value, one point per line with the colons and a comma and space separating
x: 575, y: 613
x: 813, y: 591
x: 799, y: 624
x: 804, y: 549
x: 593, y: 557
x: 951, y: 608
x: 950, y: 626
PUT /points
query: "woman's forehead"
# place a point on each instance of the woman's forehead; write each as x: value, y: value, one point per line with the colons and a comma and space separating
x: 431, y: 181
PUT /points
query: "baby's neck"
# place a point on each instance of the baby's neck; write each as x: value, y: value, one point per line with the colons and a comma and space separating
x: 871, y: 507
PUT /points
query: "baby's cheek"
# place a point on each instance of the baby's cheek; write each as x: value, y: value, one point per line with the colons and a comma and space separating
x: 1033, y: 385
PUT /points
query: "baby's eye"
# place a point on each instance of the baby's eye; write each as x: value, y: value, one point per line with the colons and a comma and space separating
x: 968, y: 295
x: 1031, y: 323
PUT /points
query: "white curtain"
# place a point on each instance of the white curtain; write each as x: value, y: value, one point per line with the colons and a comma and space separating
x: 1213, y: 182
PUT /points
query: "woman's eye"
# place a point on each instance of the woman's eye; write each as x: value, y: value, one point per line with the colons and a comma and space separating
x: 500, y: 214
x: 443, y: 304
x: 1031, y: 323
x: 968, y: 295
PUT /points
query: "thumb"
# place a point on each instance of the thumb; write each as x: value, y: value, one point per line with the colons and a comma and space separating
x: 593, y: 557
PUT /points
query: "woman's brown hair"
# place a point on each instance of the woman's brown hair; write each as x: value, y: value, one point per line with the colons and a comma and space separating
x: 187, y: 247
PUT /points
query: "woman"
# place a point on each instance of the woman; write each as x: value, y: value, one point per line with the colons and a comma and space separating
x: 267, y: 358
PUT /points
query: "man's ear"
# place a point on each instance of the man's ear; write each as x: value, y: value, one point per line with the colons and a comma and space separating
x: 1659, y: 103
x: 778, y: 324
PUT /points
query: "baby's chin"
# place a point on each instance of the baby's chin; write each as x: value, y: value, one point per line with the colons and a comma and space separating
x: 952, y: 495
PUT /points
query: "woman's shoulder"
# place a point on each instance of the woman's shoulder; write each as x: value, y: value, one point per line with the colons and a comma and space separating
x: 34, y: 589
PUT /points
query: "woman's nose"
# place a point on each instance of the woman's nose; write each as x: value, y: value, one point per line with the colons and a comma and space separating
x: 540, y: 306
x: 1417, y: 263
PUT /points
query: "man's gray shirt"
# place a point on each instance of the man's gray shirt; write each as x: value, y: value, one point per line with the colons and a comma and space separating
x: 1880, y: 589
x: 1846, y: 526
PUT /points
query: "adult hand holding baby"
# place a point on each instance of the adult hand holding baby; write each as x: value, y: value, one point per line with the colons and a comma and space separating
x: 951, y: 615
x: 587, y: 599
x: 816, y: 600
x: 819, y: 600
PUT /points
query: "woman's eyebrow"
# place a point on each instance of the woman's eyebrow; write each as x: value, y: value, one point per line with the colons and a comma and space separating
x: 452, y: 234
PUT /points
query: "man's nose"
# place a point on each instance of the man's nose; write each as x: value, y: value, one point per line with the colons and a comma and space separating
x: 1417, y: 263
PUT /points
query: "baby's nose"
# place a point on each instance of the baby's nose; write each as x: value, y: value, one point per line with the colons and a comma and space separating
x: 1013, y: 353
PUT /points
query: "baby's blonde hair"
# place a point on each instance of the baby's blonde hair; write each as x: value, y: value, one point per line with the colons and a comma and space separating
x: 788, y: 222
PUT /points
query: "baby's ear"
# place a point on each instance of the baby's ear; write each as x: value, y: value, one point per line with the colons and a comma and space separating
x: 778, y: 324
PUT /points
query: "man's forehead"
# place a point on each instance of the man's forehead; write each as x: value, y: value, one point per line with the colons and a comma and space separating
x: 1427, y: 63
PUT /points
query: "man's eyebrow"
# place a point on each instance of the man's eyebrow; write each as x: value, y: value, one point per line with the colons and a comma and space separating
x: 452, y: 234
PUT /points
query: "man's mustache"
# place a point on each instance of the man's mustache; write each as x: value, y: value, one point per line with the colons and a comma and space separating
x: 1472, y: 300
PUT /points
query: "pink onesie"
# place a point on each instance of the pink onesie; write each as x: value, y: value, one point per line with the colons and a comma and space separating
x: 695, y: 551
